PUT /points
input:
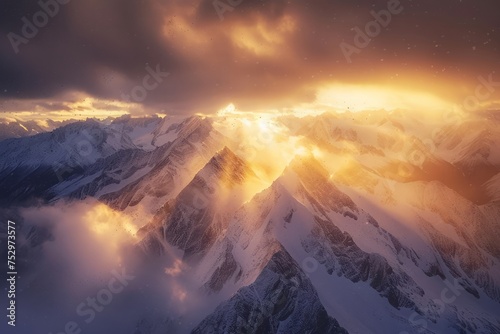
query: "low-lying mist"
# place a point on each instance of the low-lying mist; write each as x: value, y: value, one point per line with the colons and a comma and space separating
x: 80, y: 268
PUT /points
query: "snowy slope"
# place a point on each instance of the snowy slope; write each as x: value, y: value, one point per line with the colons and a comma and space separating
x: 378, y: 223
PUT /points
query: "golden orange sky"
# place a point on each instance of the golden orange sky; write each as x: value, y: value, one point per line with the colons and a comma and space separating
x: 100, y: 59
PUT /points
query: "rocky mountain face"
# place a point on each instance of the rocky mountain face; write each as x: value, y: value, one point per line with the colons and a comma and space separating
x: 281, y: 300
x: 200, y: 213
x: 15, y: 128
x: 108, y: 162
x: 375, y: 223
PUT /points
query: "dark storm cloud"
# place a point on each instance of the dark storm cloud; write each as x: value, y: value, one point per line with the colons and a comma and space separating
x: 263, y: 53
x: 84, y: 38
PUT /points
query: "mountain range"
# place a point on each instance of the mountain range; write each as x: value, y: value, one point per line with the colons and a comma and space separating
x: 369, y: 222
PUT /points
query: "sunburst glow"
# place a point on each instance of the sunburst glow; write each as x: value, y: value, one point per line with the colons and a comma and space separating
x: 344, y: 97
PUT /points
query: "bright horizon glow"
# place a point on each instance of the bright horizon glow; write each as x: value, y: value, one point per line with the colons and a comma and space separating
x: 342, y: 98
x: 334, y: 97
x: 357, y: 98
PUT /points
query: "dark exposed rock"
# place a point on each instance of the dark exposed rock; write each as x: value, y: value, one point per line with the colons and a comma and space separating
x: 281, y: 300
